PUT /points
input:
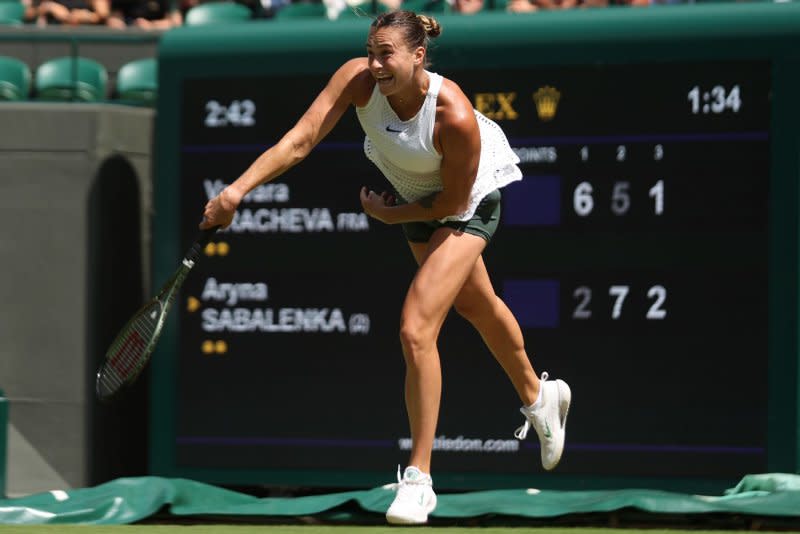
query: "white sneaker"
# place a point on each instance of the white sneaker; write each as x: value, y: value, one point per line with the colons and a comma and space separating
x: 415, y: 498
x: 549, y: 419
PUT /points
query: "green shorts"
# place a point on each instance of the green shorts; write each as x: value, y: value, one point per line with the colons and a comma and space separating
x: 482, y: 224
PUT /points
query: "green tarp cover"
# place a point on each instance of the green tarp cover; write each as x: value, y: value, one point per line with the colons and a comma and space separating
x: 128, y: 500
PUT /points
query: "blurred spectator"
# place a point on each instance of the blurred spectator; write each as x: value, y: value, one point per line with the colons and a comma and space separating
x: 31, y: 10
x: 72, y: 12
x: 467, y: 7
x: 524, y: 6
x: 145, y: 14
x: 521, y: 6
x: 270, y: 7
x: 651, y: 2
x: 264, y: 8
x: 185, y: 5
x: 335, y: 7
x: 259, y: 8
x: 556, y: 4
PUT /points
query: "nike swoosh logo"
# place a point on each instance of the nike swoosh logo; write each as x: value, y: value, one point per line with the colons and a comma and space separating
x: 390, y: 129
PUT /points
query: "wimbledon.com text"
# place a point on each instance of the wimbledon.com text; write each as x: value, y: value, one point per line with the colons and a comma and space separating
x: 462, y: 444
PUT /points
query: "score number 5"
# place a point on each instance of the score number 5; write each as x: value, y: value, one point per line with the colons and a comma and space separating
x: 583, y: 202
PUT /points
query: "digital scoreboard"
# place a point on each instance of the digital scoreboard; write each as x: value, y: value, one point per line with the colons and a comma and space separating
x: 637, y: 253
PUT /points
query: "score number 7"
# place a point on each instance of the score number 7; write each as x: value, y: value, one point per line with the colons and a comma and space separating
x: 657, y: 294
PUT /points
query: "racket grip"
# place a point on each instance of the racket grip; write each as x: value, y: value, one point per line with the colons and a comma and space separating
x: 200, y: 242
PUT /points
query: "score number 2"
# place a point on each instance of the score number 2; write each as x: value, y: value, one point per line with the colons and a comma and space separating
x: 656, y: 312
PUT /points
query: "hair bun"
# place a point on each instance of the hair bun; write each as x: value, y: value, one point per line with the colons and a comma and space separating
x: 431, y: 25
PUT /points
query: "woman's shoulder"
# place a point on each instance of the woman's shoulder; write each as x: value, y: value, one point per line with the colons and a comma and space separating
x: 356, y: 76
x: 356, y: 65
x: 452, y: 105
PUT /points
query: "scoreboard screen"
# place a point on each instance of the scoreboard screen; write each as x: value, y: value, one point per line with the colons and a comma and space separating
x: 634, y: 253
x: 650, y: 254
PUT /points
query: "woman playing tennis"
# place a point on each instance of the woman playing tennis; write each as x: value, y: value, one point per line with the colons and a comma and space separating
x: 447, y: 163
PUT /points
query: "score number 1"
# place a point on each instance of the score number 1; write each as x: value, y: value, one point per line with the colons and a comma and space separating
x: 583, y: 201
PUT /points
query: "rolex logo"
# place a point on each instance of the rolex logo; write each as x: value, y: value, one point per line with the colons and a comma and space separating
x: 546, y: 99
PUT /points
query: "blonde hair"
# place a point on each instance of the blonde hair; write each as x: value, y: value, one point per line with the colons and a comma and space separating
x: 431, y: 25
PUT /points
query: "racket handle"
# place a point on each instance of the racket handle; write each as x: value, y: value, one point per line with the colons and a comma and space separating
x: 200, y: 242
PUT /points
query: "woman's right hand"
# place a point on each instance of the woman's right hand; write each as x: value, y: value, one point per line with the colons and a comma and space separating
x: 219, y: 211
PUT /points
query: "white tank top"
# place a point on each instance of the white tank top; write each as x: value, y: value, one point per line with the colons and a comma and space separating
x: 405, y: 154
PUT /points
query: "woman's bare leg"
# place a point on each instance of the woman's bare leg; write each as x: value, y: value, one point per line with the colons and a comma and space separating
x: 478, y: 303
x: 446, y: 262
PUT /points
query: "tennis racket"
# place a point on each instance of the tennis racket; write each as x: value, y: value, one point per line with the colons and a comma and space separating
x: 131, y: 349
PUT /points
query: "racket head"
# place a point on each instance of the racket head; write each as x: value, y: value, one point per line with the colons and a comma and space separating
x: 130, y: 351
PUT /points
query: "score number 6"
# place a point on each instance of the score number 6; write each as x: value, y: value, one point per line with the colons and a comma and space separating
x: 583, y: 202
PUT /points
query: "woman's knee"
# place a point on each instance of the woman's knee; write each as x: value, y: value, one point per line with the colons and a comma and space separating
x: 416, y: 334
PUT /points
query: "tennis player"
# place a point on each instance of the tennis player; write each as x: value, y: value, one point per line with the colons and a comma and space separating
x: 447, y: 163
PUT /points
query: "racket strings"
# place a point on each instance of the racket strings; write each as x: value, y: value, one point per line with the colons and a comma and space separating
x: 126, y: 352
x: 131, y: 349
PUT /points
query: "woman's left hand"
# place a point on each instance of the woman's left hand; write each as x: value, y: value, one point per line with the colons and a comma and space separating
x: 375, y: 205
